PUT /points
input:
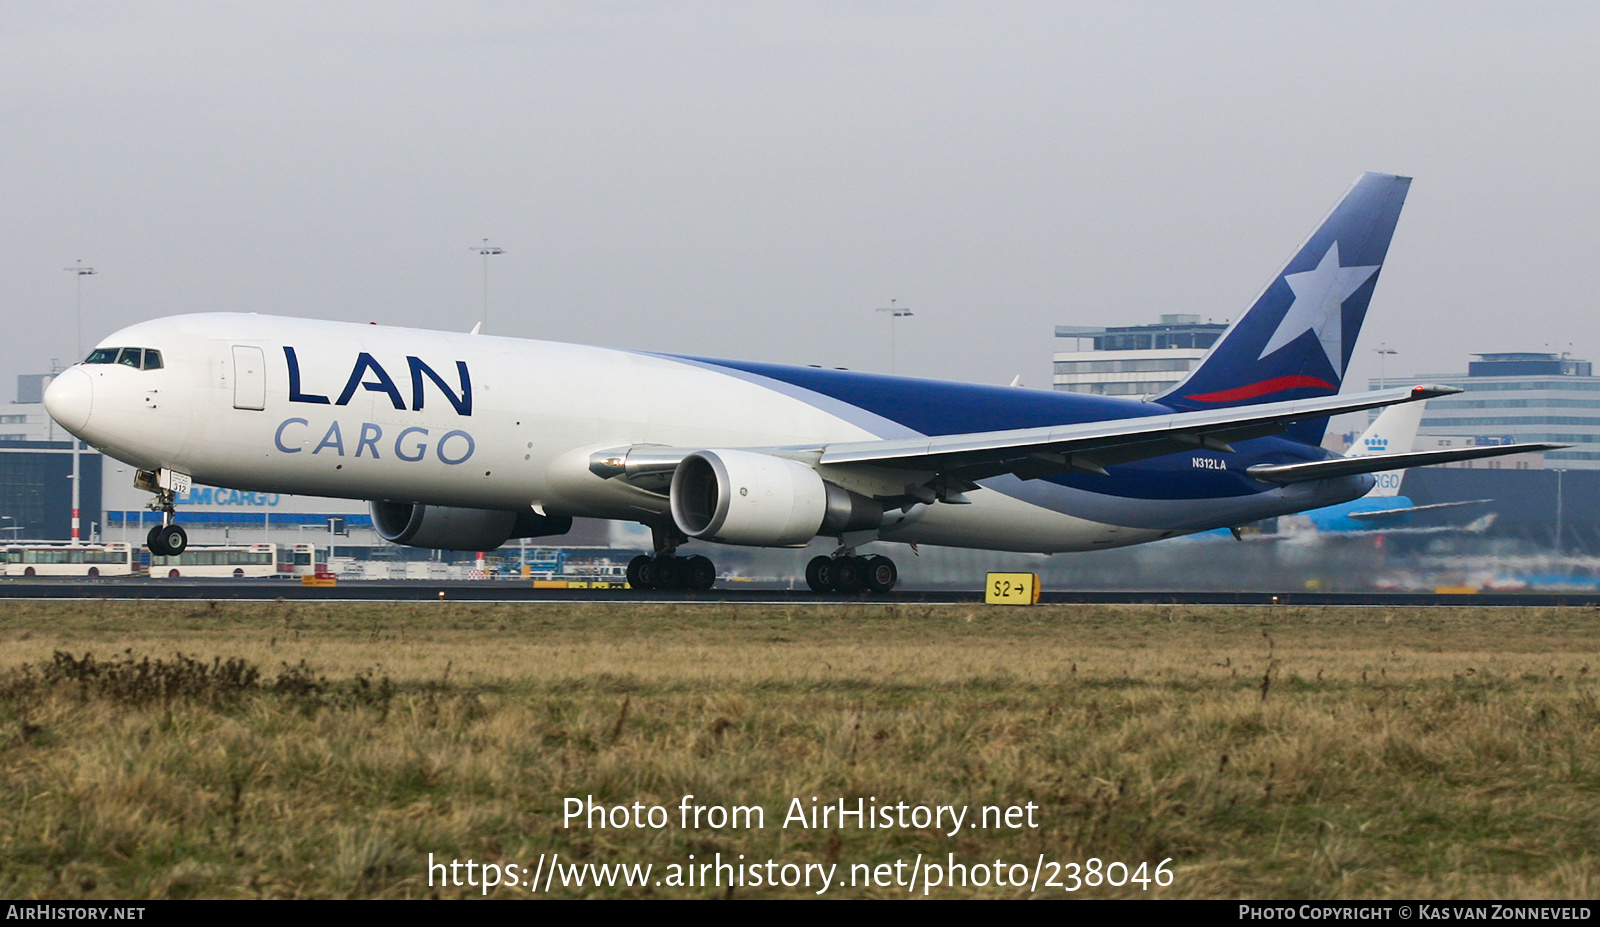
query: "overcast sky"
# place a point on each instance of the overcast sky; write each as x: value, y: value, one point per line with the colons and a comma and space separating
x: 754, y: 179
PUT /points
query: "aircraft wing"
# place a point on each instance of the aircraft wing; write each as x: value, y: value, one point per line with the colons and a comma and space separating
x: 1031, y: 453
x: 1349, y: 466
x: 1034, y: 452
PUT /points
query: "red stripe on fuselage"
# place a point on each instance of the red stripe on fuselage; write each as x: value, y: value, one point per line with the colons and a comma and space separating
x: 1263, y: 388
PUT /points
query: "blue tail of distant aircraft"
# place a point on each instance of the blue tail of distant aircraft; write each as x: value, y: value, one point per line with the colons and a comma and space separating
x: 1297, y: 339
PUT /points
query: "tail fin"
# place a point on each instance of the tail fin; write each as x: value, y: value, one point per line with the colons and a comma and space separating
x: 1297, y: 339
x: 1394, y: 431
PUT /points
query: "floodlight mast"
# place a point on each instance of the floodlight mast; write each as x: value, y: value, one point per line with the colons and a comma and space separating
x: 896, y: 311
x: 1384, y: 352
x: 79, y: 272
x: 486, y: 250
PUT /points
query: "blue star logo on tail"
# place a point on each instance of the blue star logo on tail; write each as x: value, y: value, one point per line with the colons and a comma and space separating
x: 1319, y: 297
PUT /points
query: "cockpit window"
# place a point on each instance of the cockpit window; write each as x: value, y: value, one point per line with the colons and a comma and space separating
x: 137, y: 358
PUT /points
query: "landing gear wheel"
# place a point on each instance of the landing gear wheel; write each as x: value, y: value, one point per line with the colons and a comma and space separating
x: 848, y: 574
x: 669, y: 573
x: 881, y: 574
x: 168, y: 540
x: 635, y: 572
x: 649, y: 573
x: 816, y: 576
x: 699, y: 573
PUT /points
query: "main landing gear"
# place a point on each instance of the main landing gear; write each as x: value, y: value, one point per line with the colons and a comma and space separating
x: 666, y: 570
x: 669, y: 571
x: 846, y: 572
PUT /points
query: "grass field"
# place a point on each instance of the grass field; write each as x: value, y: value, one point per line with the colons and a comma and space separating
x: 153, y: 750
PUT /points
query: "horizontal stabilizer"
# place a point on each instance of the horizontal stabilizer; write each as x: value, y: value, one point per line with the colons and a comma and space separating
x: 1350, y: 466
x: 1383, y: 514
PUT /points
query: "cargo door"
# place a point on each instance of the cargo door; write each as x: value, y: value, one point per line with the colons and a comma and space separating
x: 249, y: 378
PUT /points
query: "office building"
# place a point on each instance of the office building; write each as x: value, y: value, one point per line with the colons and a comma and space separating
x: 1519, y: 396
x: 1133, y: 361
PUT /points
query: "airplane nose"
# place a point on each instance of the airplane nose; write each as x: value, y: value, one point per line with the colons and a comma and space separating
x: 70, y: 398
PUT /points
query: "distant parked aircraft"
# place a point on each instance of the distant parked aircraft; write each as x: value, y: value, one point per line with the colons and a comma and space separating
x: 1384, y: 510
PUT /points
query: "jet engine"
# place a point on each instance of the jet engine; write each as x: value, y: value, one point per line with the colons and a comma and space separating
x: 758, y: 500
x: 447, y: 528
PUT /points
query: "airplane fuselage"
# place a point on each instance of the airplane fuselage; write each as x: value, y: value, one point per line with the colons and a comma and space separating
x: 374, y: 412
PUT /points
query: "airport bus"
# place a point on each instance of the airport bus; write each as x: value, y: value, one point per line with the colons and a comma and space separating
x: 239, y: 561
x: 111, y: 559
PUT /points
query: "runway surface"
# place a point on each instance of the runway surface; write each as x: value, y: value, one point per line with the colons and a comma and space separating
x: 492, y: 591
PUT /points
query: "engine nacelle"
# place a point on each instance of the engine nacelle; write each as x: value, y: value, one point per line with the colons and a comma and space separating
x: 758, y: 500
x: 446, y: 528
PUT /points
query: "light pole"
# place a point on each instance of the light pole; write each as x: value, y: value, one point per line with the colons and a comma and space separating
x: 486, y: 250
x: 1383, y: 351
x: 123, y: 514
x: 1558, y: 511
x: 896, y: 311
x: 78, y: 272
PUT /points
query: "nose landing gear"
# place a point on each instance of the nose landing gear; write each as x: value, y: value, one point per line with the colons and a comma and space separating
x: 167, y: 539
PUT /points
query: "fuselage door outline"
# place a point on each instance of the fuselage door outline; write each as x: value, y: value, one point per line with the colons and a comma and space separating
x: 249, y: 378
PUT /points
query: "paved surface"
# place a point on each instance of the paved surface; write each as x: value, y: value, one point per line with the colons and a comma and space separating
x: 502, y: 591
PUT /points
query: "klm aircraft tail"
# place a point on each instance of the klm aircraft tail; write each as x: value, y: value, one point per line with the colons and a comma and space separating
x: 1297, y: 339
x: 1394, y: 431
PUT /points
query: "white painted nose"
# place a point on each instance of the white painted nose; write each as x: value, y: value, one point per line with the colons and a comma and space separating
x: 70, y: 399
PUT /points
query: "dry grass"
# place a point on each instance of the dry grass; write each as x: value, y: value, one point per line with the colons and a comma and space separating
x: 289, y: 750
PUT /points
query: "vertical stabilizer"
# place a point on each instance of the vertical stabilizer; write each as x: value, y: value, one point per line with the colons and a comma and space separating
x: 1296, y: 340
x: 1392, y: 432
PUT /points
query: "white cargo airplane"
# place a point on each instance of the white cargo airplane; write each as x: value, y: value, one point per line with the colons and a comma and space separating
x: 464, y: 441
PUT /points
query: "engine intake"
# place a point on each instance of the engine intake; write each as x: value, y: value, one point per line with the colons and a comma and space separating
x: 758, y: 500
x: 446, y: 528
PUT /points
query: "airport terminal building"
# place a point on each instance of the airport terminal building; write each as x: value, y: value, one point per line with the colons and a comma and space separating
x: 36, y: 490
x: 1520, y: 396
